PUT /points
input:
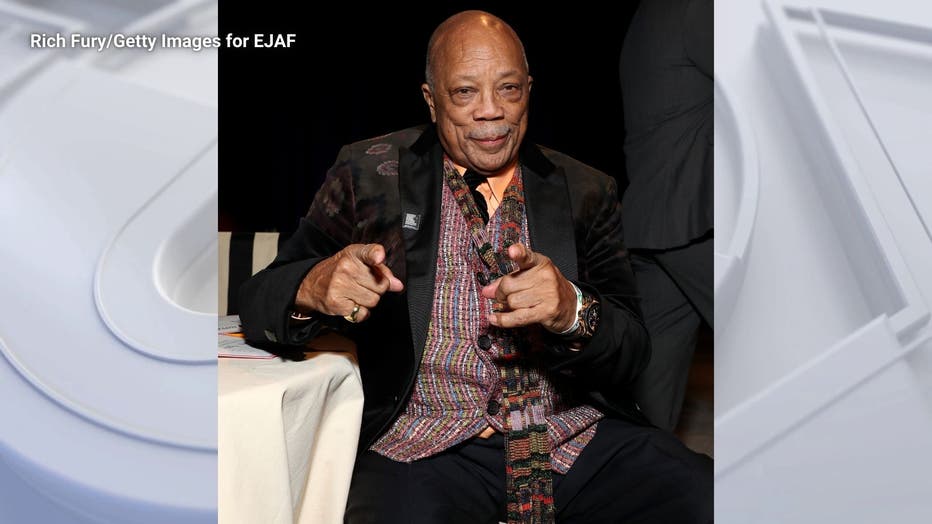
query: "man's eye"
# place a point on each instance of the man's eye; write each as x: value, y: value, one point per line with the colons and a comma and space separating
x: 510, y: 91
x: 463, y: 91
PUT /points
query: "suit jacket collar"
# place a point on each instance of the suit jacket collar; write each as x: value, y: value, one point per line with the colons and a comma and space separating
x: 548, y: 208
x: 420, y: 184
x: 547, y: 204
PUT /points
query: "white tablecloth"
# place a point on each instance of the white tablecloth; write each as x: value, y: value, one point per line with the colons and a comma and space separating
x: 287, y: 438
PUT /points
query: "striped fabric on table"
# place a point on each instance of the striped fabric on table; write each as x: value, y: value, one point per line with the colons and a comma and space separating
x: 242, y: 255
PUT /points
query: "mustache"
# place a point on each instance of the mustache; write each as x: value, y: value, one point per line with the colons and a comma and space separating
x: 488, y: 133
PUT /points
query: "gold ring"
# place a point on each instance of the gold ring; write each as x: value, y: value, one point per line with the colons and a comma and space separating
x: 352, y: 316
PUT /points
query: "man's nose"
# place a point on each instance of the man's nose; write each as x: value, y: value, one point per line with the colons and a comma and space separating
x: 489, y: 107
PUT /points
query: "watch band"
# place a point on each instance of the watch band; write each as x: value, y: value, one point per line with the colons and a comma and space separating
x: 587, y: 317
x: 579, y: 302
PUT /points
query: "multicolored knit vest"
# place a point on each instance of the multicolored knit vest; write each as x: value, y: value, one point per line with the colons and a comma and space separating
x: 529, y: 482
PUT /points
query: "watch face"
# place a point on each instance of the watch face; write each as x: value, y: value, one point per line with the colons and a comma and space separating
x: 592, y: 317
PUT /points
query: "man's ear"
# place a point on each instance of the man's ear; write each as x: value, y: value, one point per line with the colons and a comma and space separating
x: 429, y: 98
x: 530, y: 83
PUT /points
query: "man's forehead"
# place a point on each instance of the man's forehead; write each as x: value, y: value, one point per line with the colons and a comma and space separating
x: 472, y: 34
x: 477, y: 50
x: 480, y: 53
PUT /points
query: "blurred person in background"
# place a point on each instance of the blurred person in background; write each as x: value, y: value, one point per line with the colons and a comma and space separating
x: 666, y: 81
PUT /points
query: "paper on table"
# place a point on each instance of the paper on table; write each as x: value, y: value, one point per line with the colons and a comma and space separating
x: 229, y: 324
x: 230, y: 346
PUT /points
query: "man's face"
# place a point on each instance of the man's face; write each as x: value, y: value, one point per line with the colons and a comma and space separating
x: 479, y: 100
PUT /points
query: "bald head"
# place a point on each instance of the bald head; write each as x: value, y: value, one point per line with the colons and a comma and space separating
x: 456, y: 33
x: 477, y: 91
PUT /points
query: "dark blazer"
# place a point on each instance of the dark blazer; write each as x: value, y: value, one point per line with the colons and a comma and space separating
x: 666, y: 83
x: 388, y: 190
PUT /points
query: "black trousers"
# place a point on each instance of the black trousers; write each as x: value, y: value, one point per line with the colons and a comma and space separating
x: 626, y: 474
x: 676, y: 296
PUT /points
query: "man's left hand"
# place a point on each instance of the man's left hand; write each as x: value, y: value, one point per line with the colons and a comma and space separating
x: 537, y: 293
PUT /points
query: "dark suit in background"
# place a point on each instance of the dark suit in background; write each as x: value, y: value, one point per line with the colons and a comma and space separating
x: 666, y: 79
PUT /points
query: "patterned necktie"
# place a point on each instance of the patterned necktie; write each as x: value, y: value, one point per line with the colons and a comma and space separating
x: 528, y: 477
x: 473, y: 180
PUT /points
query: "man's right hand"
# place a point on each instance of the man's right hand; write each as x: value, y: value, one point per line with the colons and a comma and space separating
x: 356, y: 275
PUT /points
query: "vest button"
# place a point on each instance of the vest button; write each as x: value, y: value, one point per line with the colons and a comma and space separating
x: 493, y: 407
x: 485, y: 342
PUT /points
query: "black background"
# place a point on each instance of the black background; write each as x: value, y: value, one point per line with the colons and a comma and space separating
x: 355, y: 72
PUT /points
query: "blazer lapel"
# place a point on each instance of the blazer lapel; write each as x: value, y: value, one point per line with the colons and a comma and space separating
x: 549, y: 214
x: 420, y: 185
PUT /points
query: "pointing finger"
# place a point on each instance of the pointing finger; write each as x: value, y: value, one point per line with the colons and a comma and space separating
x: 371, y: 254
x: 521, y: 255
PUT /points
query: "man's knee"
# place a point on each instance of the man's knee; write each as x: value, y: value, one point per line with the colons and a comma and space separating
x: 637, y: 474
x: 376, y: 491
x: 693, y: 481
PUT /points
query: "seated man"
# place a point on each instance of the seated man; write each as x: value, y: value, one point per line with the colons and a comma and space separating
x: 486, y: 286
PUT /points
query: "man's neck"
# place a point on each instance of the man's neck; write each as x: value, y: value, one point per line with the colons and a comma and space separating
x: 498, y: 179
x: 494, y: 188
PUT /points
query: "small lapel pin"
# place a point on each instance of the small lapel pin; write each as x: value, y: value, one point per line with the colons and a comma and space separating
x: 412, y: 221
